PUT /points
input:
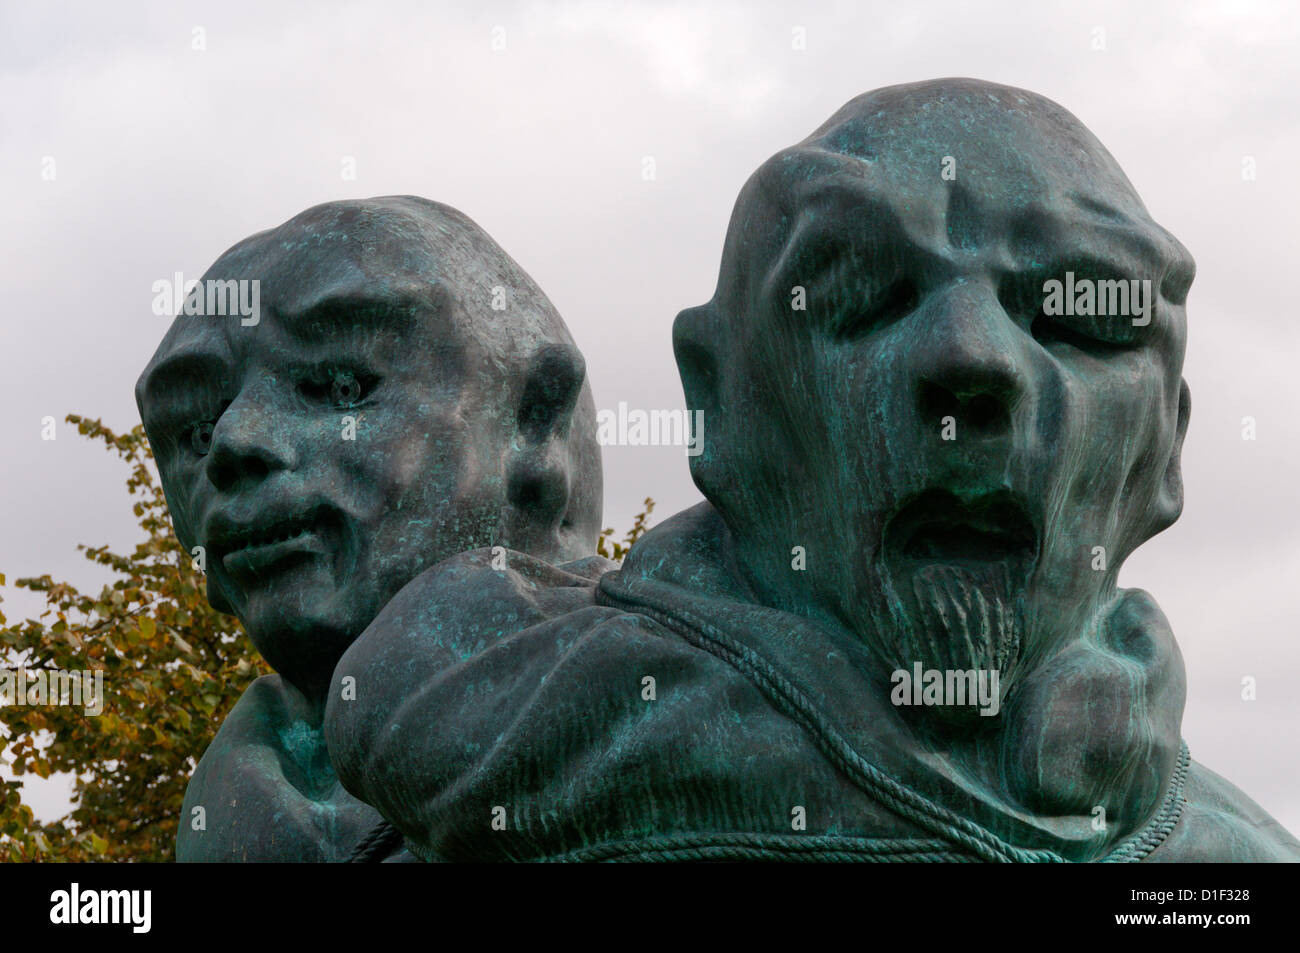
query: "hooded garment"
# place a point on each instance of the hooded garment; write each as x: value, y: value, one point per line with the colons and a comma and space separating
x: 659, y: 712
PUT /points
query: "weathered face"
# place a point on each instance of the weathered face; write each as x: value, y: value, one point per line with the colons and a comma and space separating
x: 949, y: 455
x: 354, y: 436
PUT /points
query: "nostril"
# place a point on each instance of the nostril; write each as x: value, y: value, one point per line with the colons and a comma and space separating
x: 985, y: 412
x: 980, y: 414
x: 226, y: 472
x: 937, y: 402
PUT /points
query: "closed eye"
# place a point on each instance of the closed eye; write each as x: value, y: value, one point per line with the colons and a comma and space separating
x: 1023, y: 297
x: 899, y: 300
x: 1048, y: 330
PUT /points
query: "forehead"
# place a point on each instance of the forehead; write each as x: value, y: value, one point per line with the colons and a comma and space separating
x: 320, y: 276
x: 974, y: 172
x: 316, y: 298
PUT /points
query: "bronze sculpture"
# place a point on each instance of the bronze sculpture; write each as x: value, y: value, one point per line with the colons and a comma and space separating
x: 923, y: 474
x: 406, y: 392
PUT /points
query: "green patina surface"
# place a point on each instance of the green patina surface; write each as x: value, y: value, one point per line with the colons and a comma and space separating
x: 914, y: 463
x: 377, y: 415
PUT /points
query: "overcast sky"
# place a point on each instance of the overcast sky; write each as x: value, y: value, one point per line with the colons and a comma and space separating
x: 165, y: 155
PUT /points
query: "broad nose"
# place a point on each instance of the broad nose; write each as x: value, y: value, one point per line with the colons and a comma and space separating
x: 968, y: 363
x: 249, y: 442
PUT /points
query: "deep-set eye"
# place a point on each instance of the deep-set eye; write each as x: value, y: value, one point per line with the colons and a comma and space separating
x: 896, y: 301
x: 1085, y: 334
x: 1100, y: 315
x: 345, y: 389
x: 201, y: 437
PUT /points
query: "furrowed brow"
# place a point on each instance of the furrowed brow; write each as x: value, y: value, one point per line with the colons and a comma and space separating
x: 1119, y: 244
x: 175, y: 371
x: 176, y: 376
x: 362, y: 311
x: 813, y: 243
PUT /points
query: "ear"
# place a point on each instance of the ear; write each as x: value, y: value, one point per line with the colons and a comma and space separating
x: 537, y: 484
x: 551, y: 388
x: 1169, y: 501
x: 695, y: 336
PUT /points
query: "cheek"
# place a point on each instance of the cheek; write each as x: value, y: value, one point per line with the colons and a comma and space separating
x: 428, y: 469
x: 1155, y: 430
x: 185, y: 485
x: 416, y: 465
x: 1133, y: 405
x: 1111, y: 449
x: 881, y: 446
x: 424, y: 455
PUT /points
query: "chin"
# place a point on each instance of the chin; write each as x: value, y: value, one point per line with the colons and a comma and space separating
x: 948, y: 616
x: 288, y: 639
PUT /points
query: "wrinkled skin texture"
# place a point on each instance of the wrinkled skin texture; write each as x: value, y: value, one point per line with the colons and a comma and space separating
x: 922, y: 313
x: 382, y: 415
x: 923, y: 304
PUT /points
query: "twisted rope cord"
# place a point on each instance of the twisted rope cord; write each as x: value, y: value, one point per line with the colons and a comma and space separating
x: 746, y: 846
x: 793, y: 703
x: 741, y: 846
x: 1139, y: 846
x: 382, y: 840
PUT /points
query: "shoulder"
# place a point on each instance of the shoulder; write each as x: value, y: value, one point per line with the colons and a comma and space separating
x: 466, y: 603
x: 264, y: 790
x: 264, y: 709
x: 1221, y: 824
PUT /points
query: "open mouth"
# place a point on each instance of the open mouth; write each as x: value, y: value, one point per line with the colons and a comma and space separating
x: 938, y: 527
x: 253, y: 551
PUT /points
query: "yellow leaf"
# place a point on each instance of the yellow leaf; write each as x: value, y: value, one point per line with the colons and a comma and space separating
x: 147, y: 627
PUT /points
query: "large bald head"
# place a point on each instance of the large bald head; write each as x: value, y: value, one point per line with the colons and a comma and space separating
x: 890, y: 388
x: 406, y: 393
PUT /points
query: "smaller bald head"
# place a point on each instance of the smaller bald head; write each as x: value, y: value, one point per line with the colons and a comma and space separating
x: 407, y: 251
x: 407, y: 393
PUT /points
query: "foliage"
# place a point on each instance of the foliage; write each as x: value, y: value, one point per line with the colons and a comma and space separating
x: 172, y: 669
x: 616, y: 551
